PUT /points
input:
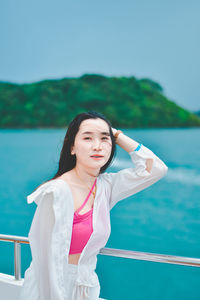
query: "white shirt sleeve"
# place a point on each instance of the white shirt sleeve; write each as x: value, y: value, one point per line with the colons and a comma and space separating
x: 40, y: 238
x: 130, y: 181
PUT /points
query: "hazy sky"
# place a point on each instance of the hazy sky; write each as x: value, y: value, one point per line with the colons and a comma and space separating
x: 55, y: 39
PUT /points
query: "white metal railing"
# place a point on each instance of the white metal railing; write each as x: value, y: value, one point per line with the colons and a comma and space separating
x: 170, y: 259
x: 163, y: 258
x: 17, y: 251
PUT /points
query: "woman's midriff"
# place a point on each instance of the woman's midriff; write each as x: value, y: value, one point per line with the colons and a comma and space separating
x: 74, y: 258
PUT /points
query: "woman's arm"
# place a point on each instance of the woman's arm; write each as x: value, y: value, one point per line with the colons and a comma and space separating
x: 149, y: 168
x: 125, y: 142
x: 130, y: 145
x: 46, y: 277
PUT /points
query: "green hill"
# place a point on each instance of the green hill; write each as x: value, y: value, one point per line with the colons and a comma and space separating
x: 126, y: 101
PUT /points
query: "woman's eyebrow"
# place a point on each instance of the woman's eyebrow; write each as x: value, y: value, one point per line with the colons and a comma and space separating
x: 103, y: 133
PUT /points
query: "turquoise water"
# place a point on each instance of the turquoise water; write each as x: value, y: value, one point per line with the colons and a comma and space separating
x: 164, y: 218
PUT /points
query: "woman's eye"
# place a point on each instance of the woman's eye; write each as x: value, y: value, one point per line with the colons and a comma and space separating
x: 90, y: 138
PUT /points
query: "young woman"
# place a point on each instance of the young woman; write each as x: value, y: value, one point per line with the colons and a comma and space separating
x: 72, y: 220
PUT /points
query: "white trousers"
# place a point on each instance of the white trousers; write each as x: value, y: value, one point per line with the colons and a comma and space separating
x: 73, y: 293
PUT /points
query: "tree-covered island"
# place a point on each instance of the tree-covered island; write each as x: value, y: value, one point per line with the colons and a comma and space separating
x: 127, y: 102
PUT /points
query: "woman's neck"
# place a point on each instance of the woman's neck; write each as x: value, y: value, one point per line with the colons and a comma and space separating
x: 84, y: 176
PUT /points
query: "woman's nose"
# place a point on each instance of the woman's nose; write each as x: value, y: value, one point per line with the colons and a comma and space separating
x: 97, y: 144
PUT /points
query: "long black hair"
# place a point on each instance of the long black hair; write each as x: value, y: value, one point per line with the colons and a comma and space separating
x: 67, y: 161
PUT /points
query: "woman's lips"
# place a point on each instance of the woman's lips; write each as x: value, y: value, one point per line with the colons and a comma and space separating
x: 97, y: 157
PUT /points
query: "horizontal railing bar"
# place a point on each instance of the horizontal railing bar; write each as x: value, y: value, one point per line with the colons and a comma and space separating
x: 14, y: 238
x: 163, y: 258
x: 170, y: 259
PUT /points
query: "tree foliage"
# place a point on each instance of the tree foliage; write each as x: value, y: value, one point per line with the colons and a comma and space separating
x: 126, y: 101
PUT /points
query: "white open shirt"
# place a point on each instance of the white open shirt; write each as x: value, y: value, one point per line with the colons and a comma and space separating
x: 51, y: 228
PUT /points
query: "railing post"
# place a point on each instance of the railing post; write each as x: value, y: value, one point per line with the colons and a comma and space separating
x: 17, y: 260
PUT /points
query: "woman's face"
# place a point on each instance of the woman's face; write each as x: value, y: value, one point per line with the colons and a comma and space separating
x: 93, y: 138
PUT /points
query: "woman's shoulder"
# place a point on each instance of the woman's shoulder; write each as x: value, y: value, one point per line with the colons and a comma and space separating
x: 54, y: 186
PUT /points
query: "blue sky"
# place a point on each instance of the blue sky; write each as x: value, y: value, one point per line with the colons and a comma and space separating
x: 55, y: 39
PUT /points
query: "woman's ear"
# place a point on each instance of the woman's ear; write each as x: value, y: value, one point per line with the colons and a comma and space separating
x: 72, y: 150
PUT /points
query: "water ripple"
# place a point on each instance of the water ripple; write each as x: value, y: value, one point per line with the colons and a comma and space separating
x: 180, y: 174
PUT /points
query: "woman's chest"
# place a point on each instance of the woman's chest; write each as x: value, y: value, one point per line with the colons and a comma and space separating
x: 83, y: 199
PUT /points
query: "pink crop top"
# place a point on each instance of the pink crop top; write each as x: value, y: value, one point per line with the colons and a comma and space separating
x: 82, y: 228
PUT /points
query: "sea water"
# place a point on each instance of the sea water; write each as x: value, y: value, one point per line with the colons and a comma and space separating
x: 164, y: 218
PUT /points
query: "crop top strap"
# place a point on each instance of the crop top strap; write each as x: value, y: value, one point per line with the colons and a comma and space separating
x: 87, y: 197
